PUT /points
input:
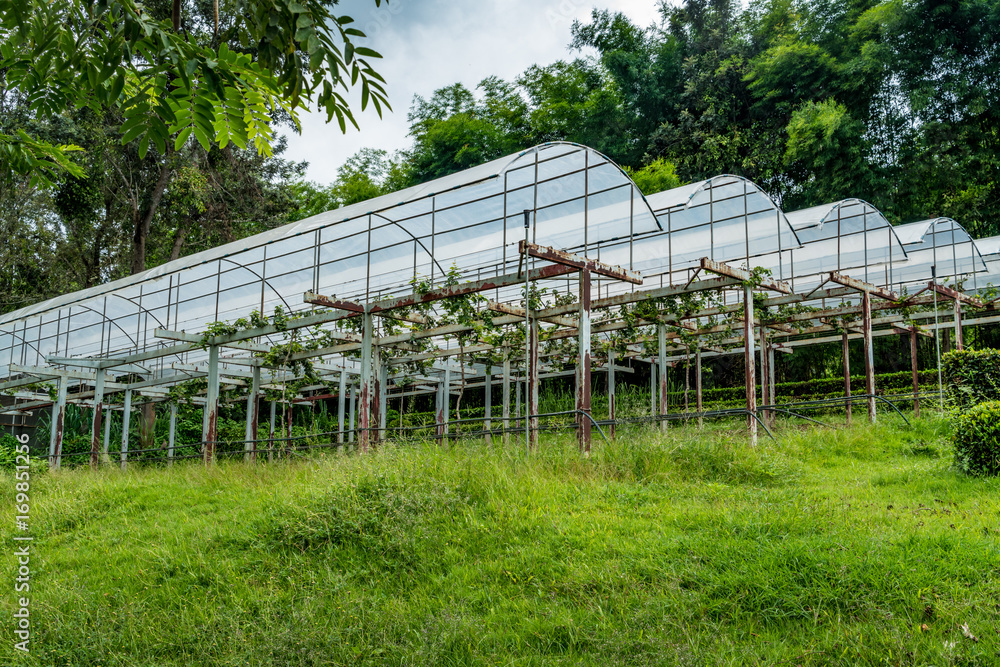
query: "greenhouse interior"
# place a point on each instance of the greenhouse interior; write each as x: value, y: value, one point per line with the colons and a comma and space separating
x: 545, y: 266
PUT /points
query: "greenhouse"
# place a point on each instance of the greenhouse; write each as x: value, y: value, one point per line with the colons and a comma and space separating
x: 494, y: 278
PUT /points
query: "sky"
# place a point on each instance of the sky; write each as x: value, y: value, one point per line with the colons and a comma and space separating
x: 429, y: 44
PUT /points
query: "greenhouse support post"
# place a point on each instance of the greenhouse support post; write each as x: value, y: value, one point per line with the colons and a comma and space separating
x: 749, y: 363
x: 846, y: 350
x: 611, y: 393
x: 107, y: 434
x: 697, y: 386
x: 58, y: 422
x: 341, y: 405
x: 583, y: 395
x: 253, y: 408
x: 866, y: 308
x: 913, y: 369
x: 126, y: 422
x: 365, y: 402
x: 959, y: 340
x: 212, y: 405
x: 95, y: 439
x: 270, y: 433
x: 661, y: 362
x: 351, y: 413
x: 506, y: 397
x: 488, y: 401
x: 532, y: 386
x: 171, y: 432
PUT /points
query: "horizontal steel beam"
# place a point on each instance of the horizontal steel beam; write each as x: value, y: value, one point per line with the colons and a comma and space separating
x: 579, y: 262
x: 743, y: 275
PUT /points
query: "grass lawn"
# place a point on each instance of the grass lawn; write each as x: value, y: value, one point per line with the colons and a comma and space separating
x: 827, y: 547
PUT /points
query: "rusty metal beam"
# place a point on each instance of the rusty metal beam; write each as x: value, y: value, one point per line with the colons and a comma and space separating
x: 955, y: 295
x: 509, y: 280
x: 579, y: 262
x: 507, y: 309
x: 862, y: 286
x: 329, y: 302
x: 743, y: 275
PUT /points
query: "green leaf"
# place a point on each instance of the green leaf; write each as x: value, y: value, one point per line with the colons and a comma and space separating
x: 182, y: 138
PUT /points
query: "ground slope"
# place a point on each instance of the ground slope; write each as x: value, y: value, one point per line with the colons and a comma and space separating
x: 827, y: 547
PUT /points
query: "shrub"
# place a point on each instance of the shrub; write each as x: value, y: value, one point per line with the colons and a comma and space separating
x: 977, y: 439
x: 972, y: 376
x: 8, y: 451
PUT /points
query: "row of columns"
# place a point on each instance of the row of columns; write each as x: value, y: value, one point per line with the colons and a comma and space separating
x: 374, y: 388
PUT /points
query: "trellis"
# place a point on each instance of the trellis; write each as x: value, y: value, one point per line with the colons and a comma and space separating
x: 356, y: 295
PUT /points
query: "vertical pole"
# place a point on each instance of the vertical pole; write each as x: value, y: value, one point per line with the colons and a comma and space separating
x: 697, y: 386
x: 847, y: 373
x: 488, y: 399
x: 750, y: 363
x: 764, y: 374
x: 341, y: 401
x: 171, y: 433
x: 446, y: 403
x: 108, y: 414
x: 937, y: 339
x: 517, y: 399
x: 365, y: 404
x: 58, y: 420
x: 866, y: 306
x: 438, y: 414
x: 530, y: 343
x: 250, y: 441
x: 289, y: 414
x: 95, y: 440
x: 212, y: 406
x: 271, y: 431
x: 506, y: 397
x: 913, y: 368
x: 770, y: 382
x: 532, y: 388
x: 661, y: 335
x: 687, y: 377
x: 959, y: 341
x: 126, y: 421
x: 611, y: 392
x: 583, y: 394
x: 351, y: 412
x: 652, y: 387
x: 383, y: 397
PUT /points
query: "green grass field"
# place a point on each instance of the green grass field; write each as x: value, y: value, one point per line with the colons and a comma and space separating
x: 827, y: 547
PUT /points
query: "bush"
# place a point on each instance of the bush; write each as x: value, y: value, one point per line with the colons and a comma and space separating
x: 977, y: 439
x: 972, y: 377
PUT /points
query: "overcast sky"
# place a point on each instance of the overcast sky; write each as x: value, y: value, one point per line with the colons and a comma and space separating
x: 429, y: 44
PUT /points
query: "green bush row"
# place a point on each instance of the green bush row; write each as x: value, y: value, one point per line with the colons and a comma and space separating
x: 972, y: 377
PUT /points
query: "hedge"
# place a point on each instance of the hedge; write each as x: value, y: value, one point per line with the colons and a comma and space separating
x: 977, y: 439
x: 972, y: 377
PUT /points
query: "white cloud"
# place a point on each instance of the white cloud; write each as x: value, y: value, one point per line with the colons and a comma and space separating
x: 428, y: 44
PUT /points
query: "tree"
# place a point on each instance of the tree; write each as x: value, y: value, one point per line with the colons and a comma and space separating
x: 173, y: 74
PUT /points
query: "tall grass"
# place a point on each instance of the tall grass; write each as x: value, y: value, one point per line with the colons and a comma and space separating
x: 846, y: 547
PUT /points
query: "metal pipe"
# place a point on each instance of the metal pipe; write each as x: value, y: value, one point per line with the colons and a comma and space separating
x: 126, y: 421
x: 58, y: 423
x: 866, y: 304
x: 95, y: 440
x: 171, y: 432
x: 253, y: 407
x: 583, y: 393
x: 750, y: 363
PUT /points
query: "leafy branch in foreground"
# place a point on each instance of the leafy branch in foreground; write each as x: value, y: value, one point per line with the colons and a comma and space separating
x: 66, y: 54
